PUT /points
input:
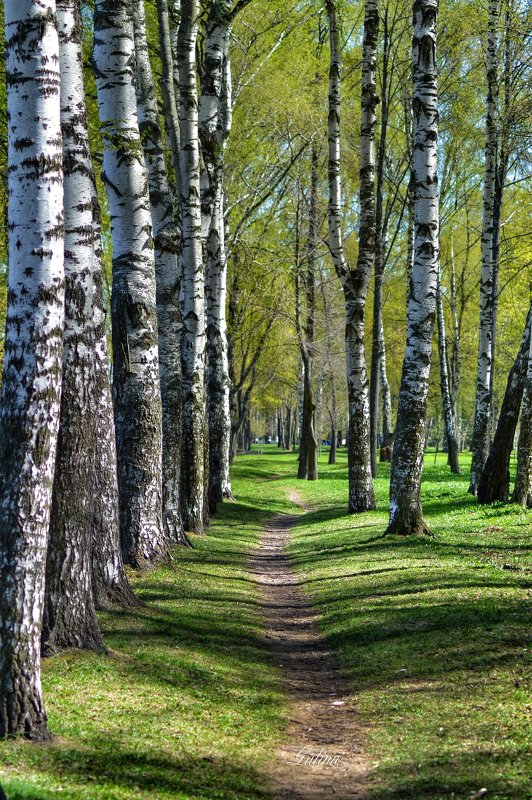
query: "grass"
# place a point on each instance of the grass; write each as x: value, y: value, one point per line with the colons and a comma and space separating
x: 432, y: 633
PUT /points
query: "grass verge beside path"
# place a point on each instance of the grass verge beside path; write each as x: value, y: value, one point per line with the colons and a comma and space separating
x: 433, y: 631
x: 186, y: 705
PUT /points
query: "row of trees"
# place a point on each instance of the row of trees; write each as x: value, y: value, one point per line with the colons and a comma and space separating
x: 91, y: 480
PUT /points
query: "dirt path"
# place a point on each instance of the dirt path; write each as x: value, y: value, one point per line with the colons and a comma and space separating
x: 322, y: 756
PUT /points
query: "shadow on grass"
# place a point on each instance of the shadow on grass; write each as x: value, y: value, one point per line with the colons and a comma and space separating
x: 111, y: 767
x: 483, y: 770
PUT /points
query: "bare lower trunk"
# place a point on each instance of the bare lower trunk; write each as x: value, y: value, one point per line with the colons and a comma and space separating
x: 194, y: 437
x: 110, y: 583
x: 136, y: 384
x: 494, y: 481
x: 31, y: 383
x: 406, y: 515
x: 167, y: 239
x: 483, y: 400
x: 69, y: 612
x: 450, y: 433
x: 355, y: 283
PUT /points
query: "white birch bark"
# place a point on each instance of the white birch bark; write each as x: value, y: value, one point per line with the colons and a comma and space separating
x: 136, y: 386
x: 483, y: 400
x: 407, y: 461
x: 355, y: 282
x: 69, y: 611
x: 31, y: 385
x: 110, y: 583
x: 167, y: 236
x: 194, y: 436
x: 214, y: 129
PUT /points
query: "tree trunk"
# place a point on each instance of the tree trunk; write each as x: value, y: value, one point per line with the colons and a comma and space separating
x: 168, y: 241
x: 193, y: 291
x: 494, y: 481
x: 136, y: 385
x: 483, y: 400
x: 110, y: 583
x: 69, y: 614
x: 31, y: 385
x: 355, y: 283
x: 522, y: 493
x: 450, y: 433
x: 378, y: 373
x: 215, y: 120
x: 407, y: 460
x: 168, y: 88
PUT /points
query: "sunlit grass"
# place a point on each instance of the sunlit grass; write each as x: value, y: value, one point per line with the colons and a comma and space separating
x: 187, y: 704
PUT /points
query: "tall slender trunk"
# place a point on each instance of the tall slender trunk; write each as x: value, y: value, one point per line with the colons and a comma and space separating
x: 136, y: 385
x: 31, y: 384
x: 215, y: 120
x: 194, y: 436
x: 522, y: 493
x: 355, y: 283
x: 378, y: 353
x: 406, y: 516
x: 456, y: 358
x: 308, y: 462
x: 494, y: 481
x: 168, y: 241
x: 69, y: 613
x: 450, y: 433
x: 483, y: 400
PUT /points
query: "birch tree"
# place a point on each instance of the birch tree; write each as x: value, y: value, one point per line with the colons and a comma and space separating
x: 167, y: 238
x: 448, y: 416
x: 483, y: 400
x: 215, y: 119
x: 407, y: 461
x: 355, y: 282
x: 136, y: 386
x: 69, y: 612
x: 194, y: 433
x: 31, y: 385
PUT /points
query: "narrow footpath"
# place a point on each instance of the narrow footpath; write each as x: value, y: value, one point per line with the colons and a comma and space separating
x: 321, y: 756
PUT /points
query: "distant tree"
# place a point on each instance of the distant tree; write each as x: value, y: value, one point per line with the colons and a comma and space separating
x: 31, y: 384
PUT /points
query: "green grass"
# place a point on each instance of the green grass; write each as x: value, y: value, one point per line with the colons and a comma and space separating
x: 432, y: 633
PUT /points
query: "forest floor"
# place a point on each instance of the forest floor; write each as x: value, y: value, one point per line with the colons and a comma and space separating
x: 201, y: 696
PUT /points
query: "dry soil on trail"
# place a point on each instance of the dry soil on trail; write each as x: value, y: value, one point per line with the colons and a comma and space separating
x: 323, y: 726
